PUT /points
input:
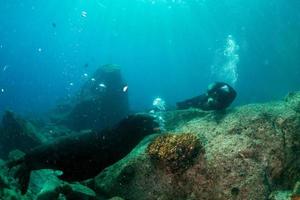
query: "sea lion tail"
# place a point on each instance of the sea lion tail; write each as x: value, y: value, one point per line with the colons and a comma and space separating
x: 22, y: 173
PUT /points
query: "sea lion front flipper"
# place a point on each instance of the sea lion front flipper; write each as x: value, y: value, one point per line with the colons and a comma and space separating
x: 23, y: 176
x: 22, y: 172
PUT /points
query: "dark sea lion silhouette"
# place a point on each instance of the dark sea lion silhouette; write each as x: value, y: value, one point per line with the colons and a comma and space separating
x: 218, y: 96
x: 84, y: 156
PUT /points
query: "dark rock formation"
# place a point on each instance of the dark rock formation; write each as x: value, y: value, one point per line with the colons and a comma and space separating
x: 102, y: 102
x: 16, y: 133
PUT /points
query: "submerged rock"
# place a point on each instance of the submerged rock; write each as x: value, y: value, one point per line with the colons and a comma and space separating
x: 17, y: 133
x: 102, y: 101
x: 293, y: 99
x: 55, y: 189
x: 246, y: 155
x: 296, y: 191
x: 280, y: 195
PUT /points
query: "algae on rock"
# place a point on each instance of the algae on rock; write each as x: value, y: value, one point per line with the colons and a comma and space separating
x: 173, y: 152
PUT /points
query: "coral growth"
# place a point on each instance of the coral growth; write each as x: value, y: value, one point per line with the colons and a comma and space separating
x: 174, y: 152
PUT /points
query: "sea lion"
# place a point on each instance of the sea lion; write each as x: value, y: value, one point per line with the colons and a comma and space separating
x: 218, y: 96
x: 84, y: 156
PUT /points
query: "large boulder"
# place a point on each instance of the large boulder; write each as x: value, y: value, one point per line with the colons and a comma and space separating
x: 102, y: 101
x: 17, y: 133
x: 246, y: 153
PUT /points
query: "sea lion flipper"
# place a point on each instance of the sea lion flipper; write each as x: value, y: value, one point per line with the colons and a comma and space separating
x: 22, y: 173
x: 23, y: 176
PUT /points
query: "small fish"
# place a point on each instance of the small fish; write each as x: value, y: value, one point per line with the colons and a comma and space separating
x: 5, y: 68
x: 86, y: 65
x: 125, y: 88
x: 83, y: 14
x: 53, y: 25
x: 2, y: 90
x: 102, y: 85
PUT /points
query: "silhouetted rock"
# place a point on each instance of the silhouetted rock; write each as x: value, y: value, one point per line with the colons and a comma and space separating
x: 102, y: 101
x: 17, y: 133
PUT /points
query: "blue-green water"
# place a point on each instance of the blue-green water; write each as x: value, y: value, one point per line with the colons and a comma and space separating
x: 167, y: 48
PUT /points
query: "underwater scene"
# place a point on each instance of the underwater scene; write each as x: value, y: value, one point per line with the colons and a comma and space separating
x: 150, y: 100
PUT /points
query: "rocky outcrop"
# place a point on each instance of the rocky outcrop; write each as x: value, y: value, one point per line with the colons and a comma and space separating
x: 102, y: 101
x: 57, y: 189
x: 247, y: 153
x: 17, y: 133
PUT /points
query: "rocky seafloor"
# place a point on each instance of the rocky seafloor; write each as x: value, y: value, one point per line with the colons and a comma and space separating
x: 250, y: 152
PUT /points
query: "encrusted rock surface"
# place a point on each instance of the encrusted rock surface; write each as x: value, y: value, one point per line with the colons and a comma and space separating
x: 248, y: 152
x: 174, y: 153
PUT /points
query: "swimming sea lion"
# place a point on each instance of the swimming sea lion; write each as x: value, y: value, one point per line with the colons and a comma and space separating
x: 84, y: 156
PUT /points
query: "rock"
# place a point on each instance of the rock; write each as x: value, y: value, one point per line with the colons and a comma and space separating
x: 78, y: 191
x: 102, y: 101
x: 44, y: 180
x: 286, y: 195
x: 280, y: 195
x: 247, y: 153
x: 16, y: 133
x: 296, y: 192
x: 293, y: 99
x: 55, y: 188
x: 15, y: 154
x: 50, y: 190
